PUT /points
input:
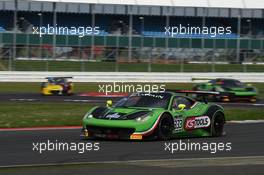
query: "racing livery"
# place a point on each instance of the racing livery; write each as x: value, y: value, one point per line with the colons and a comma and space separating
x: 160, y: 116
x: 229, y: 90
x: 57, y: 86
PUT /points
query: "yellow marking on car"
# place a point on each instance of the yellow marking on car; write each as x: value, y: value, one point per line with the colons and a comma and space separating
x: 136, y: 137
x: 86, y: 134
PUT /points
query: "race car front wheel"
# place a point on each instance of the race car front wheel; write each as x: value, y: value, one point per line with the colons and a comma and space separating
x: 217, y: 127
x: 165, y: 127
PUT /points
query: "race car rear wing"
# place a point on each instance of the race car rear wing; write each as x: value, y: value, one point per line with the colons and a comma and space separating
x: 202, y: 93
x: 57, y: 77
x: 197, y: 92
x: 194, y: 79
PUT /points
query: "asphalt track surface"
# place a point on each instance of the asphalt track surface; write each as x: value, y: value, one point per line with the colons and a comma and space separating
x: 34, y: 97
x: 245, y: 157
x: 128, y: 157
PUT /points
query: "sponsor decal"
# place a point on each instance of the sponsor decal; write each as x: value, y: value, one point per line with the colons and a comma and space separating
x: 154, y: 95
x: 197, y: 122
x: 178, y: 123
x: 115, y: 115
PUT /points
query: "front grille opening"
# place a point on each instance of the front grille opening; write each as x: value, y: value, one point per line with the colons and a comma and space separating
x: 122, y: 132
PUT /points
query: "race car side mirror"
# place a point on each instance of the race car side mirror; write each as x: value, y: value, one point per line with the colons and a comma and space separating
x: 181, y: 107
x: 109, y: 103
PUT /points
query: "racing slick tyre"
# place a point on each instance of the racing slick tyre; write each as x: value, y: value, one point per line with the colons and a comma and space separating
x: 217, y: 126
x: 165, y: 127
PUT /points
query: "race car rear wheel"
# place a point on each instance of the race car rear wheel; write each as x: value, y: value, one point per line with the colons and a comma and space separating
x: 218, y: 122
x: 165, y: 128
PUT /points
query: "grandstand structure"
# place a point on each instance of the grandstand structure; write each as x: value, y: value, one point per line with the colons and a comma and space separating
x: 132, y: 31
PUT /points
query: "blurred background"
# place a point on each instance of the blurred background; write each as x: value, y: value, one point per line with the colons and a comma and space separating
x: 132, y: 36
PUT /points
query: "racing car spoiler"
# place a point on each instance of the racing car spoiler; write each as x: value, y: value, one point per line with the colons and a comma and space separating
x: 194, y: 79
x: 203, y: 93
x: 195, y: 92
x: 57, y: 77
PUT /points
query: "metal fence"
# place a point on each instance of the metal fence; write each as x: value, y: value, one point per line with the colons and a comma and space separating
x: 145, y: 59
x: 132, y: 50
x: 26, y: 51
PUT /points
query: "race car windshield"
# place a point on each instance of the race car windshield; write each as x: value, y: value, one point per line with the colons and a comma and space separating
x: 153, y: 100
x: 232, y: 83
x: 57, y: 80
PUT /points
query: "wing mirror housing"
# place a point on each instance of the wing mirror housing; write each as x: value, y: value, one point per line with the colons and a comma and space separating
x: 109, y: 103
x: 181, y: 107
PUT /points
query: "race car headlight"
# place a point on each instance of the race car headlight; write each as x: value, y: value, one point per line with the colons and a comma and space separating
x: 88, y: 116
x: 144, y: 117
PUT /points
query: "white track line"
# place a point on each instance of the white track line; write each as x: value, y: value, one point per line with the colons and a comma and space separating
x: 258, y: 104
x: 243, y: 104
x: 245, y: 121
x: 23, y: 99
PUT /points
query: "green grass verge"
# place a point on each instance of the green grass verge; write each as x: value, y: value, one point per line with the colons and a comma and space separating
x: 244, y: 114
x: 93, y: 87
x: 127, y: 67
x: 20, y: 114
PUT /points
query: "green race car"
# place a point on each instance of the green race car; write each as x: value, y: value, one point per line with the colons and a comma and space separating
x: 229, y: 90
x: 160, y: 116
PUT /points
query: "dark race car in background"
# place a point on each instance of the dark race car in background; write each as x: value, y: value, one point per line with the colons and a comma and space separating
x: 229, y: 90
